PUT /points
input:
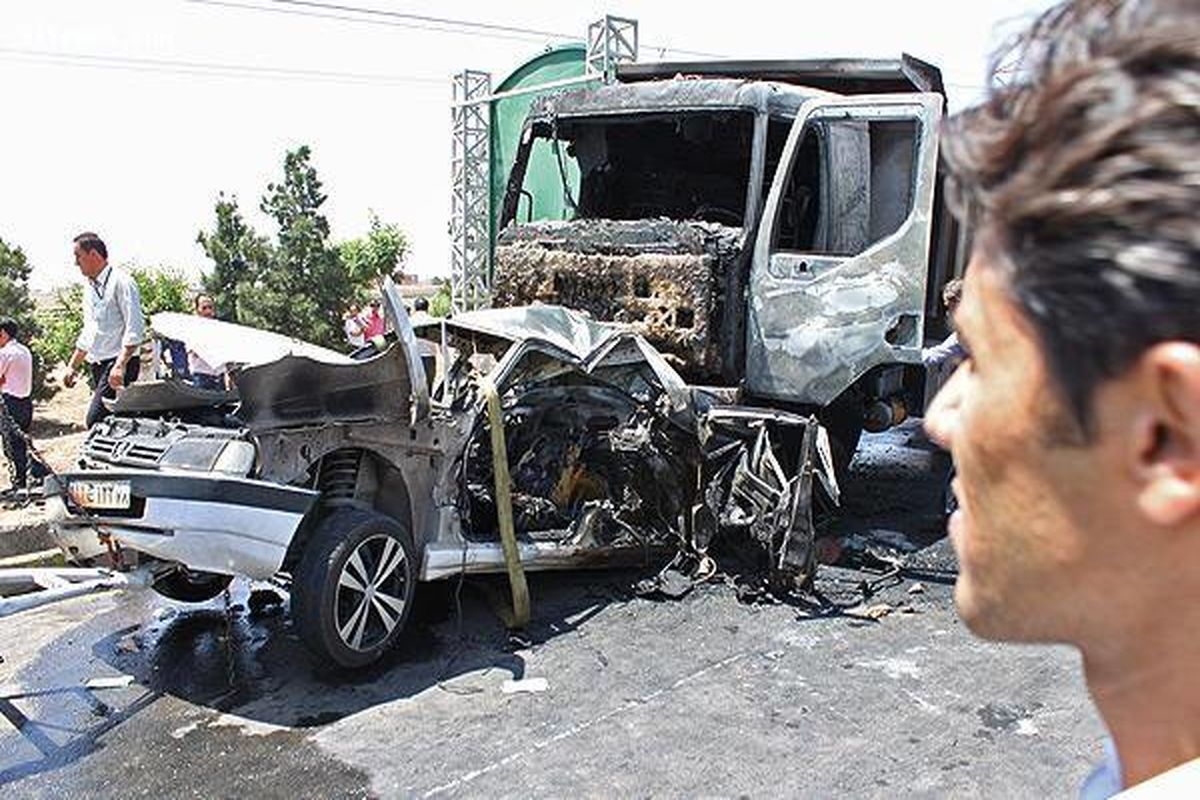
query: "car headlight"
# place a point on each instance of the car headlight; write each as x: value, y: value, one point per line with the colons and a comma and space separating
x: 194, y: 454
x: 236, y: 458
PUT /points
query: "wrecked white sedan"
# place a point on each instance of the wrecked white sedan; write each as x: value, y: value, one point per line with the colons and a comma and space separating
x: 348, y: 480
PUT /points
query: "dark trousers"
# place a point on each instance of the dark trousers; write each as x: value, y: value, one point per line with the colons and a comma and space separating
x: 20, y: 413
x: 101, y: 390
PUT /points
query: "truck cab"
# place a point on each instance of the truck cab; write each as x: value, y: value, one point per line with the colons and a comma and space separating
x: 776, y: 228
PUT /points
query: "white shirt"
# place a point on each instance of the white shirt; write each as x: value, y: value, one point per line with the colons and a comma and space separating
x: 16, y: 369
x: 353, y: 326
x: 112, y: 316
x: 1179, y: 783
x: 198, y: 366
x: 1105, y: 780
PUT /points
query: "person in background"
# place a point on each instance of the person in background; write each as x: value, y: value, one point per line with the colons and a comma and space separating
x: 205, y: 375
x: 1074, y: 421
x: 374, y: 323
x: 420, y: 311
x: 113, y: 326
x: 942, y: 359
x: 354, y: 326
x: 16, y: 386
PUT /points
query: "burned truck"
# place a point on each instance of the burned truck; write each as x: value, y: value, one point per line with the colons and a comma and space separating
x: 499, y: 441
x: 773, y: 227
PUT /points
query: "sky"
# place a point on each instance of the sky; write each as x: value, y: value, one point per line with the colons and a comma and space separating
x: 129, y: 117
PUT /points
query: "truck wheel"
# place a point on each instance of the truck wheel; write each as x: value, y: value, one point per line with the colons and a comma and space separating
x: 191, y: 587
x: 354, y: 587
x: 844, y: 423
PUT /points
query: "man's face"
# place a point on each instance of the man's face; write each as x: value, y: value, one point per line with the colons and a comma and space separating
x: 1043, y: 520
x: 90, y: 262
x: 205, y: 307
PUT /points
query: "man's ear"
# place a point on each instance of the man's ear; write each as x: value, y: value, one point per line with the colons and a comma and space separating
x: 1166, y: 452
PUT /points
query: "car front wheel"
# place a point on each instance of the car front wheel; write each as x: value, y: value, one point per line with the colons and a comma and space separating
x: 354, y: 587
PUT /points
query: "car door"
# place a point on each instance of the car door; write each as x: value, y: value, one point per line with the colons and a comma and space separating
x: 837, y: 280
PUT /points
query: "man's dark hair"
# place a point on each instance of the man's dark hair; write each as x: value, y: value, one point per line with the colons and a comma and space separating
x: 421, y: 304
x: 1083, y: 172
x: 9, y: 326
x: 196, y: 300
x: 92, y: 243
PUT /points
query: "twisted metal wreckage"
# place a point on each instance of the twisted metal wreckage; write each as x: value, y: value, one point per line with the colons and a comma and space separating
x: 351, y: 478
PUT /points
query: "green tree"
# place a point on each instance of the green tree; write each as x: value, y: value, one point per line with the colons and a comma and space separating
x: 440, y: 305
x: 301, y: 288
x: 377, y: 255
x: 300, y: 283
x: 15, y: 302
x: 237, y: 253
x: 162, y: 289
x: 60, y: 324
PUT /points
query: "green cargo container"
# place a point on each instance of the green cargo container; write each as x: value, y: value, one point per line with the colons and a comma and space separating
x: 508, y: 116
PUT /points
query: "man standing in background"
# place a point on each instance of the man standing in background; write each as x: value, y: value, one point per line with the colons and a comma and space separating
x: 16, y: 385
x: 354, y: 326
x: 374, y: 323
x: 205, y: 375
x: 113, y: 326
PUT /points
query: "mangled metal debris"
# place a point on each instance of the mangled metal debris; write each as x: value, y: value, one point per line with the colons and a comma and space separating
x: 356, y: 479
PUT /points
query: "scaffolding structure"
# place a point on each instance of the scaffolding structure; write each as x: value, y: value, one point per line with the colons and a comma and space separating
x: 470, y: 219
x: 610, y: 41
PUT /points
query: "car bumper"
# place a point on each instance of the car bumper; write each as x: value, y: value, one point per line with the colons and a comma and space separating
x: 208, y: 523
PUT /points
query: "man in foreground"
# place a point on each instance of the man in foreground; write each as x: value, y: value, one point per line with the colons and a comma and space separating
x: 1074, y: 423
x: 112, y: 325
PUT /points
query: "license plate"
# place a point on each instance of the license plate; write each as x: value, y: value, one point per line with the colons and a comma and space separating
x: 100, y: 494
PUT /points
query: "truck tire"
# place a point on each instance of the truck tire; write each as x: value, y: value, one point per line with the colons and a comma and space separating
x: 354, y: 586
x: 843, y: 420
x: 191, y: 587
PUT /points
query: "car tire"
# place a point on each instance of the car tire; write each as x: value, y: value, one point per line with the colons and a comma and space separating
x: 191, y: 587
x: 354, y: 587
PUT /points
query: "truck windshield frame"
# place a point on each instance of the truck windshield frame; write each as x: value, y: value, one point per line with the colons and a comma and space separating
x: 688, y: 165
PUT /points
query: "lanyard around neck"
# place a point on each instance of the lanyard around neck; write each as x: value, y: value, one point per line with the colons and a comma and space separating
x: 99, y: 288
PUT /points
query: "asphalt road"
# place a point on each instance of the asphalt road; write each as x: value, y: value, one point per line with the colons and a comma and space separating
x: 707, y: 695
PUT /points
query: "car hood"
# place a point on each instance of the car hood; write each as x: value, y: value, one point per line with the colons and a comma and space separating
x: 220, y: 342
x: 306, y: 388
x: 568, y: 335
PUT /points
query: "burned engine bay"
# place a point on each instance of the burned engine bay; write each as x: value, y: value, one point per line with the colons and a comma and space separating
x: 612, y: 455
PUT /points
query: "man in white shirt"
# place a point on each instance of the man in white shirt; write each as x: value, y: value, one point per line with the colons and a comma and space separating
x: 16, y: 386
x: 1074, y: 422
x: 113, y: 326
x: 354, y: 326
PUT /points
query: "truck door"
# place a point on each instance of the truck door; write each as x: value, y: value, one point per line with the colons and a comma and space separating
x: 837, y: 280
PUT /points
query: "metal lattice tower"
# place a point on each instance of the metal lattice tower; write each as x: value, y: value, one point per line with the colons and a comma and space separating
x: 611, y: 41
x: 470, y: 214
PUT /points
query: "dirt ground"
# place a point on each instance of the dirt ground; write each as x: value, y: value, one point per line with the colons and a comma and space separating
x: 58, y: 428
x: 58, y: 432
